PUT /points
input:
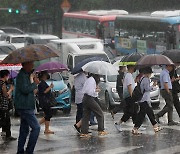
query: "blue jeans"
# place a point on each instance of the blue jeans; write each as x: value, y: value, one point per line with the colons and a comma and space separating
x: 28, y: 120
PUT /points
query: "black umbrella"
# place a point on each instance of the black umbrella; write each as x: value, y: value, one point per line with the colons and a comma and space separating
x: 131, y: 59
x: 173, y: 54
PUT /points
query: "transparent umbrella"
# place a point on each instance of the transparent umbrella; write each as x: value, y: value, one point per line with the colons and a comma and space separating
x: 100, y: 67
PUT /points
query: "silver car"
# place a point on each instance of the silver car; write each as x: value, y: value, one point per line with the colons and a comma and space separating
x: 109, y: 97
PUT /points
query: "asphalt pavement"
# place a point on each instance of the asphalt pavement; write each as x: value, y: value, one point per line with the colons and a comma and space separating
x: 67, y: 141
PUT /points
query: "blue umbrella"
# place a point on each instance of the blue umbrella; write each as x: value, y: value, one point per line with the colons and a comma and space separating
x: 78, y: 67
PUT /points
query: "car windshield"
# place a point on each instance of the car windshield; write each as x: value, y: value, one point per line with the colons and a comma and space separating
x: 56, y: 77
x: 112, y: 78
x: 18, y: 40
x: 41, y: 41
x: 79, y: 58
x: 5, y: 50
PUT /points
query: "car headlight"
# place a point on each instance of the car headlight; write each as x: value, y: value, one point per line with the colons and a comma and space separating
x: 114, y: 90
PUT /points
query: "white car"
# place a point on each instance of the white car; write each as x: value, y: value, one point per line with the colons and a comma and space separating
x: 17, y: 40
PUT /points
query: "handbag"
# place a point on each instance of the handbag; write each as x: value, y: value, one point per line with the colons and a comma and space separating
x: 51, y: 101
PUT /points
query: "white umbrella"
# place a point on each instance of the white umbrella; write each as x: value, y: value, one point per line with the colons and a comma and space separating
x: 100, y: 67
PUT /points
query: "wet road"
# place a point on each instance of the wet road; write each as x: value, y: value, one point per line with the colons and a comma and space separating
x: 67, y: 141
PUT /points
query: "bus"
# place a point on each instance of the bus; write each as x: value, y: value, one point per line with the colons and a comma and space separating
x: 147, y: 32
x: 95, y: 24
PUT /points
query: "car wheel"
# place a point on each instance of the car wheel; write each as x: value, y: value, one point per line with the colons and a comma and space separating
x: 54, y: 111
x: 107, y: 101
x: 67, y: 110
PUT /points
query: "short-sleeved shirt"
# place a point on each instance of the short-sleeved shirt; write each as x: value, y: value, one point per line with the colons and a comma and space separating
x: 165, y: 78
x: 3, y: 99
x: 128, y: 80
x: 79, y: 81
x: 89, y: 87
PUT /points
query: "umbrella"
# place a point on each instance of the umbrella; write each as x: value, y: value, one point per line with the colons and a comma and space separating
x: 13, y: 74
x: 51, y: 67
x: 10, y: 66
x: 131, y: 59
x: 100, y: 67
x: 78, y: 67
x: 30, y: 53
x: 173, y: 54
x: 155, y: 59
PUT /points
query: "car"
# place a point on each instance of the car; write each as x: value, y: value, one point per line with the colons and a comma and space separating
x: 39, y: 39
x: 5, y: 49
x: 11, y: 30
x: 63, y: 99
x: 109, y: 97
x: 17, y: 40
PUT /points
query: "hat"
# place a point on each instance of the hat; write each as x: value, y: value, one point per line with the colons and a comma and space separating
x: 147, y: 70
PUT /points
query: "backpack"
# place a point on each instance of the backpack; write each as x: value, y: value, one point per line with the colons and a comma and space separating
x: 137, y: 93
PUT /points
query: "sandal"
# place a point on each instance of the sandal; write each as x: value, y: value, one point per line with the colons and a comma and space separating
x: 135, y: 132
x: 157, y: 129
x: 48, y: 132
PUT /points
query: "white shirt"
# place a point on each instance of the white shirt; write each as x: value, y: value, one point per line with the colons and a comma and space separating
x: 128, y: 80
x: 79, y: 81
x: 89, y: 87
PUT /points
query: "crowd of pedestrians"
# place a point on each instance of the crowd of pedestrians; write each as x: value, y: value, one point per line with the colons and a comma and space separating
x: 86, y: 99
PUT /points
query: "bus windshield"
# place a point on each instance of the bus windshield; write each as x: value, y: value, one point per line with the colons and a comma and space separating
x: 145, y: 36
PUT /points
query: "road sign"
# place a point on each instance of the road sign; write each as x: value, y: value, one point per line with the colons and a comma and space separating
x: 65, y: 5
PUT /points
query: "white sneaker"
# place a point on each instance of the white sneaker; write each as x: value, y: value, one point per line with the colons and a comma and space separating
x: 118, y: 127
x: 142, y: 128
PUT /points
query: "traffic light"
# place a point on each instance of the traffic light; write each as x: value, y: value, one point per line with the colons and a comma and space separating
x: 17, y: 11
x: 10, y: 10
x: 37, y: 11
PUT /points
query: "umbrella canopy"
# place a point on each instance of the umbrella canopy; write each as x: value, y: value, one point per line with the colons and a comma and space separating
x: 173, y: 54
x: 51, y: 67
x: 155, y: 59
x: 100, y: 67
x: 131, y: 59
x: 13, y: 74
x: 78, y: 67
x: 10, y: 66
x: 30, y: 53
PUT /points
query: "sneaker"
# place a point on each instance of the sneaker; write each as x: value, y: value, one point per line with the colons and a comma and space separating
x: 10, y: 138
x: 142, y: 128
x: 102, y: 133
x: 118, y: 127
x: 93, y: 123
x: 77, y: 129
x: 172, y: 123
x: 85, y: 135
x: 157, y: 118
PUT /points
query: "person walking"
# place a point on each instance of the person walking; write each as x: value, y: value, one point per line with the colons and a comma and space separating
x: 175, y: 90
x: 119, y: 88
x: 79, y: 81
x: 90, y: 104
x: 5, y: 96
x: 128, y: 87
x: 44, y: 95
x: 166, y: 92
x: 144, y: 103
x: 26, y: 86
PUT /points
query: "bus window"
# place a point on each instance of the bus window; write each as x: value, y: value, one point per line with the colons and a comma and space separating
x: 70, y: 62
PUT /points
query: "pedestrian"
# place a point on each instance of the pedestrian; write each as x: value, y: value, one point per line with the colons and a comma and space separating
x: 144, y: 103
x: 5, y: 98
x: 119, y: 88
x: 44, y: 95
x: 166, y: 92
x: 128, y: 87
x: 26, y: 86
x: 90, y: 104
x: 175, y: 90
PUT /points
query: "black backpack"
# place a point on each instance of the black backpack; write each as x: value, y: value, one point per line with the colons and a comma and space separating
x: 137, y: 94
